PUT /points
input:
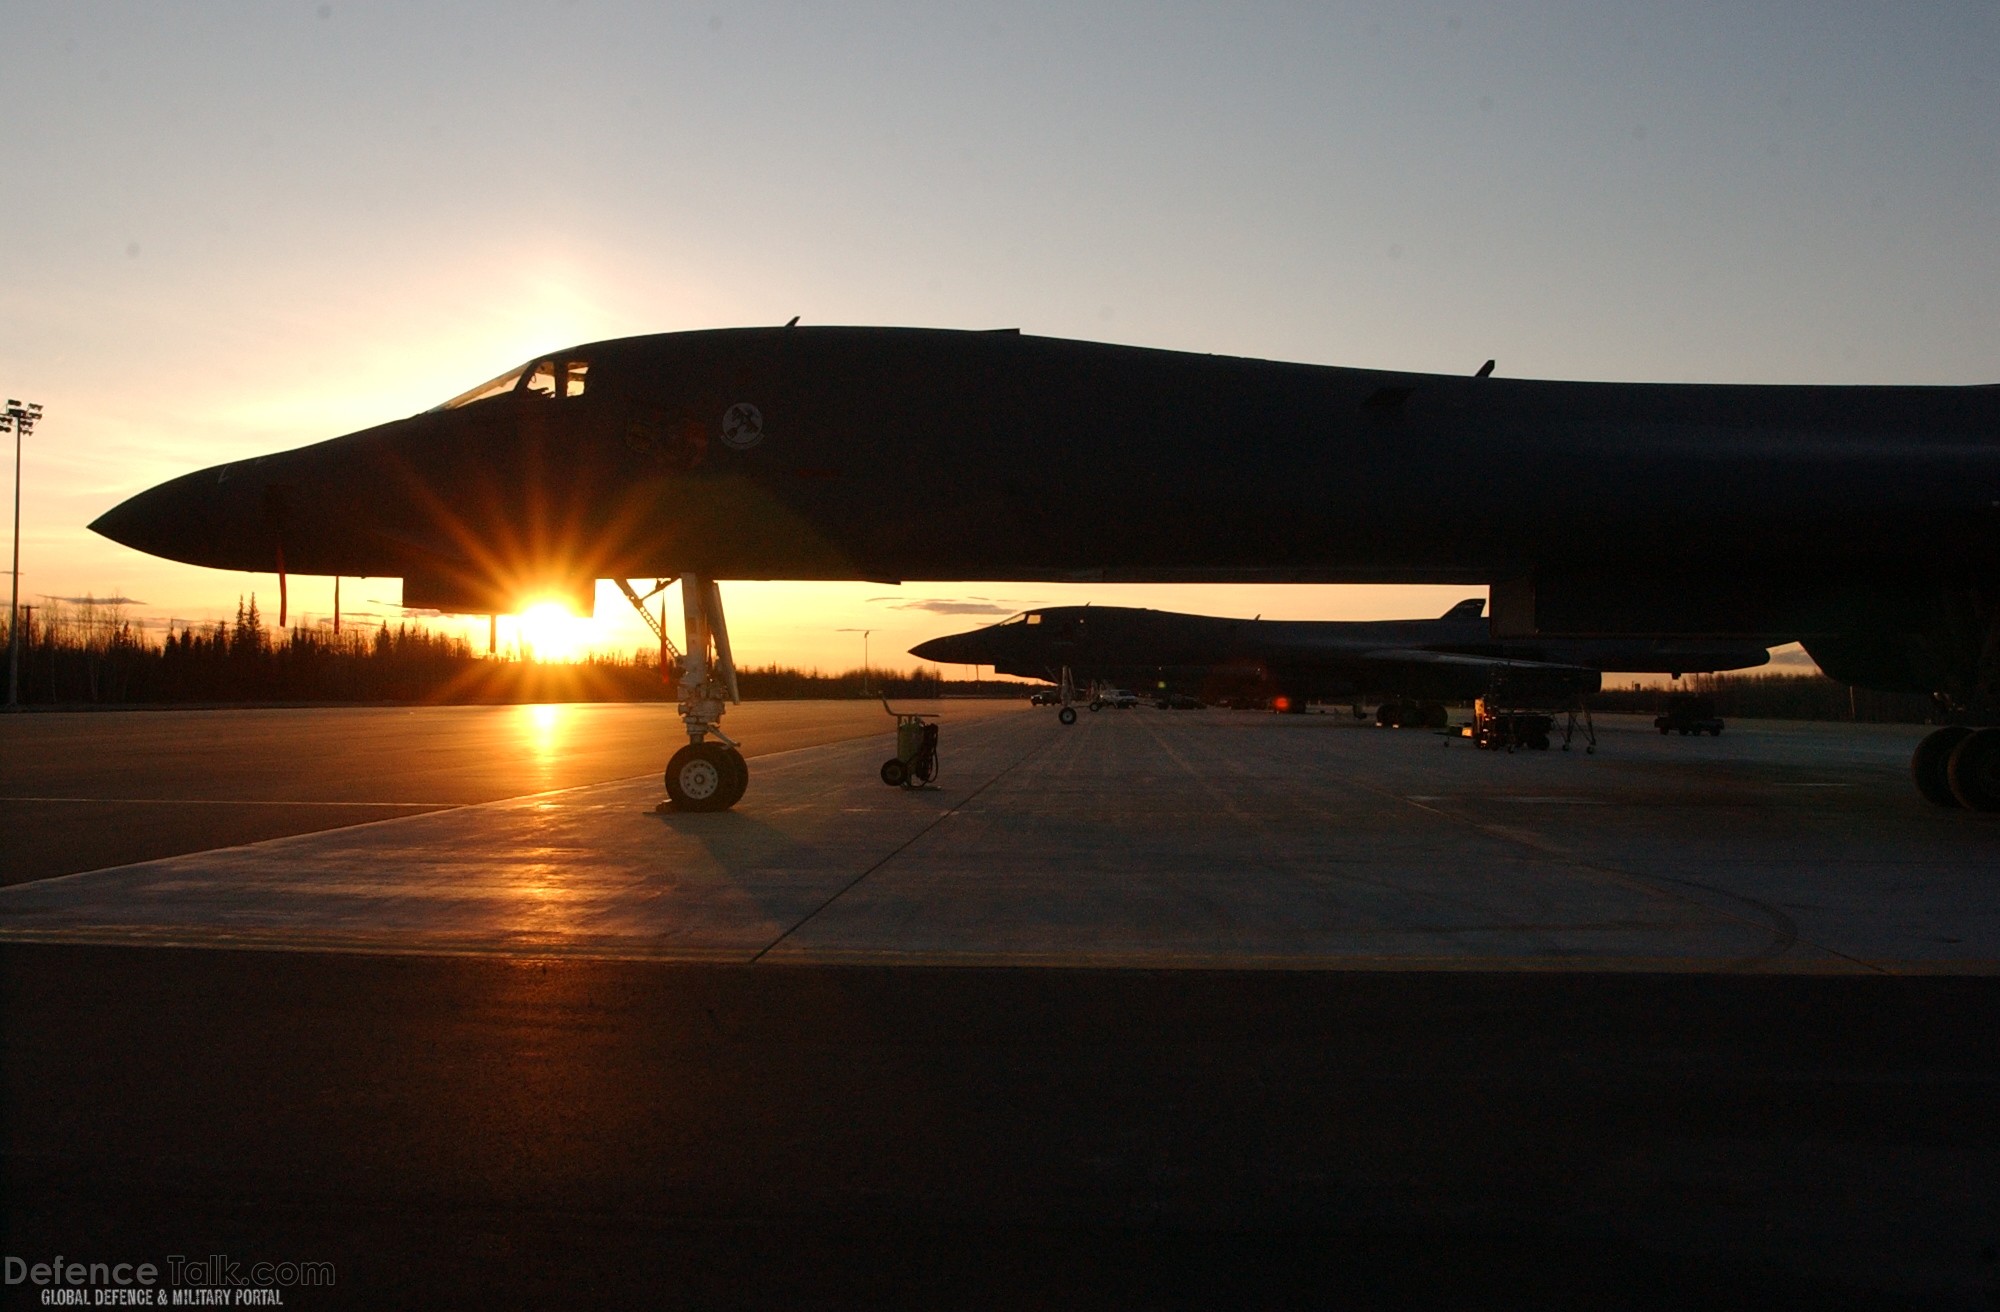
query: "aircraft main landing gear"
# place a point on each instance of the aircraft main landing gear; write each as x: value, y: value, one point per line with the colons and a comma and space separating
x: 1412, y: 715
x: 1959, y: 766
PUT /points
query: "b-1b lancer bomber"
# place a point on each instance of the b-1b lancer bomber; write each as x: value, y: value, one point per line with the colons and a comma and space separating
x: 1863, y: 520
x: 1419, y: 664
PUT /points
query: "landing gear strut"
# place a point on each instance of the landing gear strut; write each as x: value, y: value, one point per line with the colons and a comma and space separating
x: 704, y: 775
x: 1959, y: 764
x: 1068, y: 697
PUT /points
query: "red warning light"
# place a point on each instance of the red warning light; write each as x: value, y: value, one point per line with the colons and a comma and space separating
x: 1281, y: 704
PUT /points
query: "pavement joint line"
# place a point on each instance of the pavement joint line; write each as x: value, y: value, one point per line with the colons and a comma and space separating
x: 1144, y: 960
x: 905, y: 846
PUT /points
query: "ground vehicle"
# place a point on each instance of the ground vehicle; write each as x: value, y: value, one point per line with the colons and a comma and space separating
x: 1499, y: 728
x: 1179, y: 701
x: 1044, y: 697
x: 1689, y: 713
x: 1118, y: 699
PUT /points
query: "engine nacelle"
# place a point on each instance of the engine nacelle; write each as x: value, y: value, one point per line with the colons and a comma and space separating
x: 467, y: 592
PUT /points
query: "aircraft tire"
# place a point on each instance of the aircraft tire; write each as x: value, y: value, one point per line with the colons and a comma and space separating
x: 1435, y: 716
x: 894, y: 772
x: 1974, y: 770
x: 739, y: 777
x: 1067, y: 715
x: 1096, y: 707
x: 701, y: 778
x: 1929, y: 762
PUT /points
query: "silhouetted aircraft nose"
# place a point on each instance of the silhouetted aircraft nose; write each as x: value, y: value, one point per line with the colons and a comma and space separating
x: 955, y: 649
x: 216, y: 517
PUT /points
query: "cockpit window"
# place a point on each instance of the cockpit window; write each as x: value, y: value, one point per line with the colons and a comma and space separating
x: 498, y: 387
x: 1034, y: 617
x: 550, y: 378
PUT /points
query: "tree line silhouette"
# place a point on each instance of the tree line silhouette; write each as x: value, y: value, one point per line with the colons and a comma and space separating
x: 94, y: 653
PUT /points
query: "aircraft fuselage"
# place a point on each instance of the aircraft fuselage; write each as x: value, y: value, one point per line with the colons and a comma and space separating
x: 906, y: 454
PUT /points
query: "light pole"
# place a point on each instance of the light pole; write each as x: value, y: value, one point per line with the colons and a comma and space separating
x: 22, y: 419
x: 864, y: 655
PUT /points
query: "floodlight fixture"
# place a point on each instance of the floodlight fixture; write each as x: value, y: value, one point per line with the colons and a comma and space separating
x: 864, y: 655
x: 22, y: 420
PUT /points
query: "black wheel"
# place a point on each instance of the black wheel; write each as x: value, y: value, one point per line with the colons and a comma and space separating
x: 1540, y: 742
x: 739, y: 777
x: 1974, y: 770
x: 1067, y: 715
x: 1097, y: 706
x: 700, y: 777
x: 1434, y: 715
x: 1390, y: 716
x: 1929, y: 762
x: 894, y: 772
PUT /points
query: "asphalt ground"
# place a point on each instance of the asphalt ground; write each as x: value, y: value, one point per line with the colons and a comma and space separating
x: 1167, y: 1010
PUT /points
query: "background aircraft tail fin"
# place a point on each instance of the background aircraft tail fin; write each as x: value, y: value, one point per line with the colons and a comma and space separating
x: 1471, y: 608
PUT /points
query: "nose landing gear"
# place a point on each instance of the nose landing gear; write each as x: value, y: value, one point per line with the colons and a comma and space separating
x: 704, y: 775
x: 1067, y: 696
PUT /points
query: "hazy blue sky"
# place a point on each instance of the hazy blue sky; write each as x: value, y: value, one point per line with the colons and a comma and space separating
x: 233, y: 228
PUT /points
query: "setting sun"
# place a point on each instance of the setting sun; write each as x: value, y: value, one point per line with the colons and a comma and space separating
x: 548, y: 632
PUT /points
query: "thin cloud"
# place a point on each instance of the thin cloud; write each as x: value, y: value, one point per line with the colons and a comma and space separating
x: 946, y: 606
x: 87, y: 600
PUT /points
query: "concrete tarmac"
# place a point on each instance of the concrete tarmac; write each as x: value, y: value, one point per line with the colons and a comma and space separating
x: 1167, y: 1009
x: 85, y: 790
x: 1133, y: 838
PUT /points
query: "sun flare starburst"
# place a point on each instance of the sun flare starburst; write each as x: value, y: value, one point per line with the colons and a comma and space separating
x: 548, y: 632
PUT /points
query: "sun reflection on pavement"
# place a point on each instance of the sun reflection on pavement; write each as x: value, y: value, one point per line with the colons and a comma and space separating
x: 544, y: 729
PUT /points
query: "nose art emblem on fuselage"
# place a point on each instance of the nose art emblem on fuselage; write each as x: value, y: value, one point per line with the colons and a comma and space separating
x: 742, y: 426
